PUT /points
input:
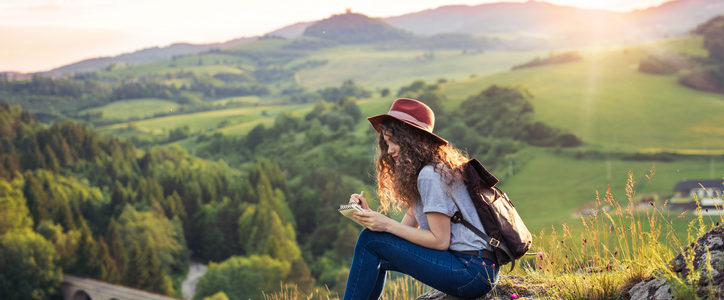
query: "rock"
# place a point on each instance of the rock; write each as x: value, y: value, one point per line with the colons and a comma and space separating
x: 651, y: 288
x: 506, y: 286
x: 711, y: 282
x: 435, y: 295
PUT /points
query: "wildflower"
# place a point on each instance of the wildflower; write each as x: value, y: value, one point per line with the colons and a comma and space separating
x: 615, y: 253
x: 483, y: 264
x: 540, y: 254
x: 514, y: 296
x: 493, y: 265
x: 652, y: 203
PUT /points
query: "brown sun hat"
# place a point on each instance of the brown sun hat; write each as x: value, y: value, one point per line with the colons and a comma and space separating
x: 412, y: 112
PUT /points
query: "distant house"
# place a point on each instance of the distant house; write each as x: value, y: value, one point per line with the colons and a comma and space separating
x: 708, y: 191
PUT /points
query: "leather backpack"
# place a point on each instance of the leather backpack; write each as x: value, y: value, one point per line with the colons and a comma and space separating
x: 504, y: 229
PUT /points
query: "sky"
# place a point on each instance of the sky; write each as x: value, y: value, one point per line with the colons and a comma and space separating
x: 39, y: 35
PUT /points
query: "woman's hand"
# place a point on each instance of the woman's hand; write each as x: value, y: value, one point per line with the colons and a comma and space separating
x: 359, y: 199
x: 373, y: 220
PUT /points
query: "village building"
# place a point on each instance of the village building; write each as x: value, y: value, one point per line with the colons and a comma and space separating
x: 707, y: 191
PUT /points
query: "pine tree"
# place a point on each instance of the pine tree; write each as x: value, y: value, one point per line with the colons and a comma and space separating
x: 157, y: 279
x: 88, y: 254
x: 116, y: 247
x: 50, y: 158
x: 135, y: 270
x: 109, y: 269
x: 37, y: 198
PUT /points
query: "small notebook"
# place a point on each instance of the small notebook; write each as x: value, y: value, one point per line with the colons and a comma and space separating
x: 348, y: 210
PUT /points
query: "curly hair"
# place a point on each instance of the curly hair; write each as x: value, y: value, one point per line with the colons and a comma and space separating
x: 397, y: 180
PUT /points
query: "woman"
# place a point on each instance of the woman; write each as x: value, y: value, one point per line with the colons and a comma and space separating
x: 423, y: 173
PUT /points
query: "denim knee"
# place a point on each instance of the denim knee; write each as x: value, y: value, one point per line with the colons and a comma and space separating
x: 364, y: 237
x: 367, y: 236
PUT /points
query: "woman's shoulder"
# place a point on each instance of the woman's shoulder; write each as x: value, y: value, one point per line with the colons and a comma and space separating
x: 427, y: 171
x: 430, y: 171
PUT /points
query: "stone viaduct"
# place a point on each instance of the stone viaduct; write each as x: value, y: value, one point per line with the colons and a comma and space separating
x: 78, y: 288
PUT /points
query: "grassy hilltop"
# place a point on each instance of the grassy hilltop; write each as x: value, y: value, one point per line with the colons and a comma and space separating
x: 246, y: 148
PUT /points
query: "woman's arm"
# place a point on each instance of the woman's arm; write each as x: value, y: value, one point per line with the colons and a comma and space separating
x: 438, y: 237
x: 409, y: 218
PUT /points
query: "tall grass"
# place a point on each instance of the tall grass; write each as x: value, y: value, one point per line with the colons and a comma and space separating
x: 620, y: 246
x: 623, y: 242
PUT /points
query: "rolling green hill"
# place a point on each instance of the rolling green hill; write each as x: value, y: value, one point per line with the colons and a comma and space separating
x: 549, y: 189
x: 613, y: 107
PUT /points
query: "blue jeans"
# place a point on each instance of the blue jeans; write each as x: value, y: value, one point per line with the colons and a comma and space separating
x: 453, y: 273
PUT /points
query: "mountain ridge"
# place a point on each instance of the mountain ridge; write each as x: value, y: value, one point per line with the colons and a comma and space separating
x: 144, y: 55
x: 534, y: 24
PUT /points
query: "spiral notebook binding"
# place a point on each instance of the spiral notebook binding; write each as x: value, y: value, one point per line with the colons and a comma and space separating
x: 349, y: 206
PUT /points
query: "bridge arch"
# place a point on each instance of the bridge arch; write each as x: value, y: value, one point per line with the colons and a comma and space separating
x: 80, y: 295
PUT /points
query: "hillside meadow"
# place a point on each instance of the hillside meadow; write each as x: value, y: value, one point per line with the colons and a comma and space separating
x: 136, y: 108
x: 609, y: 104
x: 230, y: 121
x: 375, y: 68
x: 552, y: 189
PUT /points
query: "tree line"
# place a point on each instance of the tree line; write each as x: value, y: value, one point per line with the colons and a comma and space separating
x: 702, y: 73
x: 63, y: 98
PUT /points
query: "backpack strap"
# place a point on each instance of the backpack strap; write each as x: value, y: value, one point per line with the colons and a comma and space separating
x: 458, y: 218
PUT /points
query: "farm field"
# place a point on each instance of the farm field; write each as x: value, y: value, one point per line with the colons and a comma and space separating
x: 379, y: 69
x: 226, y: 119
x: 209, y: 63
x: 133, y: 108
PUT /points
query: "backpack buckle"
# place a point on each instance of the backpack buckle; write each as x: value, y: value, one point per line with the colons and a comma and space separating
x: 457, y: 217
x: 493, y: 242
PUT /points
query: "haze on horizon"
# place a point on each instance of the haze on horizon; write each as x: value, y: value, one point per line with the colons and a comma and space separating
x: 39, y: 35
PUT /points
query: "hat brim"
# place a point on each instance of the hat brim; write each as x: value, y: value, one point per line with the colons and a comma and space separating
x: 378, y: 119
